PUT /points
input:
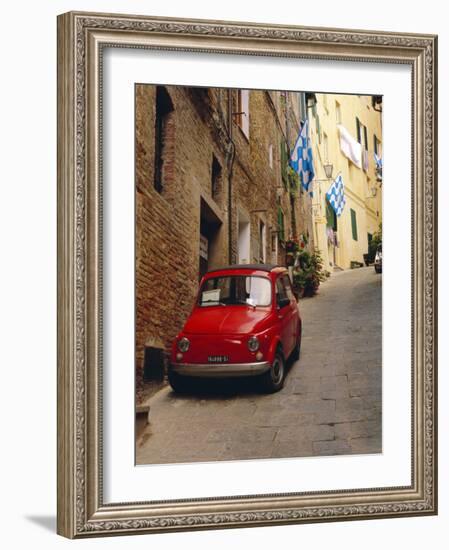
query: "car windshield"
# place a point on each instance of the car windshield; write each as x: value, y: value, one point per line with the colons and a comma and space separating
x: 235, y: 290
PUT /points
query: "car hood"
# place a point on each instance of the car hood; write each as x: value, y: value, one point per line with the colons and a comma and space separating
x: 227, y: 320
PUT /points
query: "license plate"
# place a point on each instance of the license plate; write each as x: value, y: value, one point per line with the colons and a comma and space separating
x: 218, y: 358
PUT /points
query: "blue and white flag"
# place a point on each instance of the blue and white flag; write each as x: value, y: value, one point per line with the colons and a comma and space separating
x: 378, y: 161
x: 336, y: 195
x: 301, y: 159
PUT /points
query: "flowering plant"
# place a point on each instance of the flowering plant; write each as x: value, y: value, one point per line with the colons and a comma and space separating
x: 309, y: 273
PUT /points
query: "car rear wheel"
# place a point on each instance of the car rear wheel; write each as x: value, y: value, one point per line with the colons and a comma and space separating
x: 273, y: 379
x: 178, y: 383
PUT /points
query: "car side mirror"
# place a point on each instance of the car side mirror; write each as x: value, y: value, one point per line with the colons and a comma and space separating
x: 283, y: 302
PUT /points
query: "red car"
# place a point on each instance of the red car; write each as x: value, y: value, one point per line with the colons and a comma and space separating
x: 245, y: 322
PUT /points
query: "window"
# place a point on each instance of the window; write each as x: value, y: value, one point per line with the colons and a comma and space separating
x: 325, y: 147
x: 376, y: 145
x: 163, y: 132
x: 243, y: 111
x: 359, y: 129
x: 362, y: 134
x: 281, y: 291
x: 216, y: 177
x: 318, y: 127
x: 338, y: 112
x: 362, y: 138
x: 232, y: 290
x: 288, y: 287
x: 302, y: 106
x: 331, y: 216
x: 354, y: 224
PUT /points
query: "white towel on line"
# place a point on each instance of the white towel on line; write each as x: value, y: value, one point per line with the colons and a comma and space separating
x: 350, y: 147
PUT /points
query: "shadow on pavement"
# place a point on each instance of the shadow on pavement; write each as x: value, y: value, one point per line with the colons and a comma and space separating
x: 222, y: 388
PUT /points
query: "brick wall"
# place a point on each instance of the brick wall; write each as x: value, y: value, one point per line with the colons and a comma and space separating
x: 168, y: 222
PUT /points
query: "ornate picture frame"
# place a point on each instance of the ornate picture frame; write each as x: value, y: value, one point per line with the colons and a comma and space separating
x: 82, y: 38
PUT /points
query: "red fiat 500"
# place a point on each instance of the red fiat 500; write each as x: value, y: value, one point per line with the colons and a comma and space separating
x: 245, y: 322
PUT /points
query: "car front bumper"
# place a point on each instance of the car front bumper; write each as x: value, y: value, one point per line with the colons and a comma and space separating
x: 220, y: 370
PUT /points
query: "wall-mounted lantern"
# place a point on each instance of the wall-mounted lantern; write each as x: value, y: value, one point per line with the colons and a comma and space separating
x: 328, y: 169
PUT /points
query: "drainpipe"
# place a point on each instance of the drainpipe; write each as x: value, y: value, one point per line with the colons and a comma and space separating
x: 230, y: 175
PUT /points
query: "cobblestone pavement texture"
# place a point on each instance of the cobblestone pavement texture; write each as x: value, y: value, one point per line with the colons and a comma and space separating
x: 331, y: 403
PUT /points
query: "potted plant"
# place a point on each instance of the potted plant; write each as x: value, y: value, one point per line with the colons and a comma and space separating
x: 291, y: 245
x: 309, y: 273
x: 373, y: 246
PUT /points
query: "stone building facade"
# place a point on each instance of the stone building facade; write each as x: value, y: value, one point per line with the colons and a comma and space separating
x: 343, y: 241
x: 212, y: 189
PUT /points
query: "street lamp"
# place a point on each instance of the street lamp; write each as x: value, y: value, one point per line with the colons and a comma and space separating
x: 328, y: 169
x: 310, y: 100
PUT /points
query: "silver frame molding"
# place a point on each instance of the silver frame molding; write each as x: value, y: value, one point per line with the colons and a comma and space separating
x: 81, y: 39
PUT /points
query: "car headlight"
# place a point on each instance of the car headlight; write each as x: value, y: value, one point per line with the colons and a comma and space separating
x: 253, y: 343
x: 183, y: 344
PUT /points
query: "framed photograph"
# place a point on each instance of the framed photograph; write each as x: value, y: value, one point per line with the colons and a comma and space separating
x: 246, y: 274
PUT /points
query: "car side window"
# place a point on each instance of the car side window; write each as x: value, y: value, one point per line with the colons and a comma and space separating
x: 281, y: 292
x: 288, y: 287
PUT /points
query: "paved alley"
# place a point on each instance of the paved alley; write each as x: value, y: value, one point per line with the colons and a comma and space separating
x: 330, y: 404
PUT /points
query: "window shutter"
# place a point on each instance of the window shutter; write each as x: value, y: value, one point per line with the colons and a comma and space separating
x: 354, y: 224
x: 284, y: 164
x: 318, y: 128
x: 281, y: 224
x: 331, y: 216
x: 359, y: 130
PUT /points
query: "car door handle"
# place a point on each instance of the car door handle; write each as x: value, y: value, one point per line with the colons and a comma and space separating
x: 280, y: 316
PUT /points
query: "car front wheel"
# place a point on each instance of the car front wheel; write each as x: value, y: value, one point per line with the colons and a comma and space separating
x: 273, y: 379
x: 178, y: 383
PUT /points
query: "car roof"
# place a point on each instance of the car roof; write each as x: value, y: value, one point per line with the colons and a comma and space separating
x: 250, y: 267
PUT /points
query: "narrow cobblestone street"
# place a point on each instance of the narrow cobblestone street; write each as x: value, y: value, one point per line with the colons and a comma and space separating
x: 330, y: 404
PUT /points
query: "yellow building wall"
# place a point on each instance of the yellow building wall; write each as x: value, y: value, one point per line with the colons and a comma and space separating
x: 362, y: 190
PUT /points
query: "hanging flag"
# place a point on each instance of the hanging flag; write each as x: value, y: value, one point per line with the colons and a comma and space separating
x: 378, y: 162
x: 301, y: 159
x: 336, y: 195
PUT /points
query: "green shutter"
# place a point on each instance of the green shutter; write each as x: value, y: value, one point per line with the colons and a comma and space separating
x: 281, y: 224
x: 284, y: 163
x: 354, y: 224
x: 331, y: 216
